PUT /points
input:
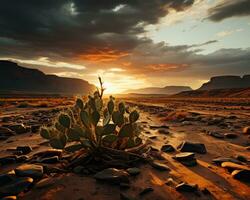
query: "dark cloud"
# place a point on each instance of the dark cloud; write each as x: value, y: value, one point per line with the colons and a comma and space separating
x: 230, y: 8
x: 66, y: 28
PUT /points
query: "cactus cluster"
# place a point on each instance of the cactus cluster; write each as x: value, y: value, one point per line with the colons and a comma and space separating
x: 93, y: 124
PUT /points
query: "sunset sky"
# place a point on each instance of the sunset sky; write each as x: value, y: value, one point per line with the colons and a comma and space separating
x: 129, y: 43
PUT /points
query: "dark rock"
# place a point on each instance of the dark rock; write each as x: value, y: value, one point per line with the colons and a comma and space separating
x: 163, y: 131
x: 48, y: 153
x: 171, y: 182
x: 35, y: 128
x: 78, y: 169
x: 134, y: 171
x: 112, y: 175
x: 230, y: 135
x: 167, y: 148
x: 146, y: 191
x: 184, y: 187
x: 216, y: 134
x: 160, y: 166
x: 29, y: 170
x: 6, y: 119
x: 8, y: 160
x: 153, y: 137
x: 18, y: 128
x: 220, y: 160
x: 241, y: 158
x: 22, y: 158
x: 243, y: 175
x: 193, y: 147
x: 205, y: 191
x: 15, y: 186
x: 24, y: 149
x: 187, y: 159
x: 50, y: 160
x: 158, y: 127
x: 4, y: 131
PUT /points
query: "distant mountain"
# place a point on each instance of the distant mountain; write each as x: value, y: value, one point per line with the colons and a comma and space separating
x: 222, y: 93
x: 14, y: 78
x: 157, y: 90
x: 224, y: 82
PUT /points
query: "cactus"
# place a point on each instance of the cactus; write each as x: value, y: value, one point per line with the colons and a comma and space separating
x: 92, y: 126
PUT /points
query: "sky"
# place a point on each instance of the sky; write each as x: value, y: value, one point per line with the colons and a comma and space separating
x: 129, y: 43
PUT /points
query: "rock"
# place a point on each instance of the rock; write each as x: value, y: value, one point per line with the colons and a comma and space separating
x: 167, y: 148
x: 163, y: 131
x: 243, y: 175
x: 24, y: 149
x: 215, y: 134
x: 8, y: 160
x: 146, y: 191
x: 220, y: 160
x: 5, y: 179
x: 153, y: 137
x: 193, y: 147
x: 171, y: 182
x: 158, y: 127
x: 6, y: 119
x: 29, y: 170
x: 22, y: 158
x: 160, y: 166
x: 184, y: 187
x: 50, y: 160
x: 18, y: 128
x: 186, y: 123
x: 46, y: 182
x: 15, y: 186
x: 205, y: 191
x: 231, y: 135
x: 9, y: 198
x: 112, y: 175
x: 48, y: 153
x: 187, y: 159
x: 241, y: 158
x: 233, y: 166
x: 134, y: 171
x: 4, y: 131
x: 246, y: 130
x: 35, y: 128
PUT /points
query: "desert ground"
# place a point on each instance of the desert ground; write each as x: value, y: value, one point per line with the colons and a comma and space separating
x: 169, y: 125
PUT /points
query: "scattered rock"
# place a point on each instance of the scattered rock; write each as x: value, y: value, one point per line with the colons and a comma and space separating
x: 160, y: 166
x: 215, y: 134
x: 187, y: 159
x: 146, y: 191
x: 163, y: 131
x: 243, y: 175
x: 220, y: 160
x: 167, y: 148
x: 29, y: 170
x: 192, y: 147
x: 35, y: 128
x: 8, y: 160
x: 231, y: 135
x: 233, y: 166
x: 134, y: 171
x: 6, y: 119
x: 50, y: 160
x: 22, y: 158
x: 46, y: 182
x: 4, y: 131
x: 24, y: 149
x: 112, y: 175
x: 241, y: 158
x: 184, y: 187
x: 15, y: 186
x: 18, y: 128
x: 48, y: 153
x: 153, y: 137
x: 246, y: 130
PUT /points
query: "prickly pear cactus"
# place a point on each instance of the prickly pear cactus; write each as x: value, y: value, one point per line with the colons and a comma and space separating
x: 92, y: 124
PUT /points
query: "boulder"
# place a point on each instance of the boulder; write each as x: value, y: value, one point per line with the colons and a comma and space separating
x: 167, y: 148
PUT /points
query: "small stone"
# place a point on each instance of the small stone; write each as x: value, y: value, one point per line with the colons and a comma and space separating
x: 230, y: 135
x: 6, y: 119
x: 246, y: 130
x: 233, y: 166
x: 243, y: 175
x: 216, y: 134
x: 160, y: 166
x: 8, y: 160
x: 171, y: 182
x: 22, y: 158
x: 112, y: 175
x: 35, y: 128
x: 205, y: 191
x: 220, y: 160
x: 184, y: 156
x: 50, y: 160
x: 133, y: 171
x: 48, y: 153
x: 167, y: 148
x: 15, y: 186
x: 4, y: 131
x: 24, y: 149
x: 241, y: 158
x: 18, y: 128
x: 163, y: 131
x: 146, y: 191
x: 46, y: 182
x: 29, y: 170
x: 153, y: 137
x: 193, y: 147
x: 184, y: 187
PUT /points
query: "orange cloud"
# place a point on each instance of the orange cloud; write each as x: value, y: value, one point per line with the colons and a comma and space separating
x: 166, y: 66
x: 104, y: 55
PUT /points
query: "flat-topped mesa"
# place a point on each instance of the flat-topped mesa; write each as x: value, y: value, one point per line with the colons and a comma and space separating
x: 225, y: 82
x: 14, y: 78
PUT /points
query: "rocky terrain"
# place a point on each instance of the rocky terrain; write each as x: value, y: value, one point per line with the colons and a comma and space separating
x: 200, y: 150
